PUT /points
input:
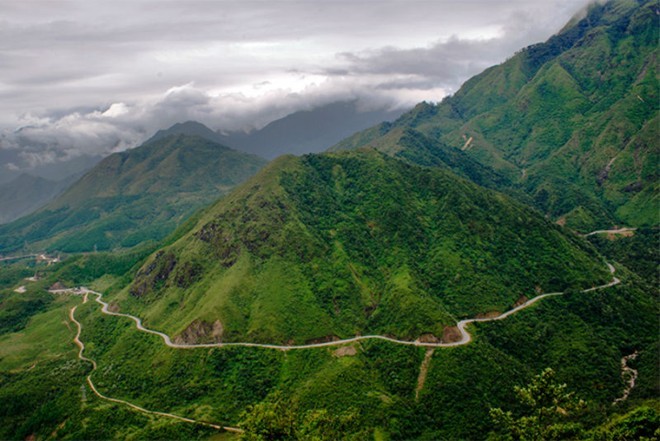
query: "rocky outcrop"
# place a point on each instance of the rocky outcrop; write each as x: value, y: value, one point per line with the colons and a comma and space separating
x: 153, y: 275
x: 200, y: 331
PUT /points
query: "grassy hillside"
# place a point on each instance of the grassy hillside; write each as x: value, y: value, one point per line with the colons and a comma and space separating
x: 354, y: 242
x: 396, y: 240
x: 134, y: 196
x: 369, y: 392
x: 572, y: 121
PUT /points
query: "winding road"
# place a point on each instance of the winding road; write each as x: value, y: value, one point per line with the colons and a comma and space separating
x: 81, y: 345
x: 461, y: 325
x: 465, y: 336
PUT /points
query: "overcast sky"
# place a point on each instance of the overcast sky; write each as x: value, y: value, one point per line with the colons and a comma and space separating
x: 89, y: 76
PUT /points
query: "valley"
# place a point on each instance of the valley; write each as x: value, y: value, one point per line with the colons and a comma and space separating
x: 481, y: 267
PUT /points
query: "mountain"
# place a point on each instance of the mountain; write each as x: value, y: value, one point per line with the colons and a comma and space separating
x: 14, y: 165
x: 572, y: 121
x: 307, y: 131
x: 394, y: 240
x: 133, y: 196
x: 27, y: 193
x: 190, y: 128
x: 355, y: 242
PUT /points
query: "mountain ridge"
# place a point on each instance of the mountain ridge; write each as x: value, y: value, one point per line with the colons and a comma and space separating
x: 307, y: 131
x: 354, y: 239
x: 577, y: 139
x: 132, y: 196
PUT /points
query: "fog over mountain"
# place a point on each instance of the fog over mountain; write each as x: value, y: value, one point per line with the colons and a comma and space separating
x: 84, y: 77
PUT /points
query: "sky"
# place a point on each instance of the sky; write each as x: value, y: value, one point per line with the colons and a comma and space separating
x: 94, y: 77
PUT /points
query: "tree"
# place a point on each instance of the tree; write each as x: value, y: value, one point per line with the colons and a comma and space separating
x: 547, y: 414
x: 269, y: 420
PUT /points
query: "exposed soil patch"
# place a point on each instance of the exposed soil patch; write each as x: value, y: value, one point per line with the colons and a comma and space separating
x: 488, y: 315
x: 428, y: 338
x: 56, y: 286
x: 451, y: 334
x: 520, y: 301
x: 615, y: 236
x: 345, y: 351
x: 326, y: 339
x: 200, y: 331
x: 423, y: 371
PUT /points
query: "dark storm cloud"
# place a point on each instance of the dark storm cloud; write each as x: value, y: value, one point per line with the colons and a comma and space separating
x: 99, y: 76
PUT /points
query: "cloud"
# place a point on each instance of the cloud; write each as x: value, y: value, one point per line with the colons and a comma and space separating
x: 82, y: 77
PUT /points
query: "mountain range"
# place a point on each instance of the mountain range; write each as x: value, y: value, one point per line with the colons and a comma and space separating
x: 134, y: 196
x: 307, y: 131
x: 573, y: 121
x: 301, y: 132
x: 464, y: 209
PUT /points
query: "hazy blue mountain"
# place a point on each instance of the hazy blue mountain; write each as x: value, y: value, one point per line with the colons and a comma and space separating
x: 307, y: 131
x: 190, y: 128
x: 27, y: 193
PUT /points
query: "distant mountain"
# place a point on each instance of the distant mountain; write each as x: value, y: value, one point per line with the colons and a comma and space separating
x: 572, y: 121
x: 390, y: 236
x: 307, y: 131
x: 133, y: 196
x: 356, y: 242
x: 27, y: 193
x: 52, y: 171
x: 190, y: 128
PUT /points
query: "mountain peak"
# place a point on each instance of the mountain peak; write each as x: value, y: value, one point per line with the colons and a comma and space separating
x: 193, y: 128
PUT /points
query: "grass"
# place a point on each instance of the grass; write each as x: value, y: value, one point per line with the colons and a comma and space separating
x: 410, y: 248
x: 48, y: 335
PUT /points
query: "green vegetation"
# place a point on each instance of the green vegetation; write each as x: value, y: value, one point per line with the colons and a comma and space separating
x: 549, y: 409
x: 396, y: 240
x: 52, y: 400
x: 133, y: 197
x: 573, y: 122
x: 316, y: 394
x: 638, y: 252
x: 553, y: 413
x: 410, y: 248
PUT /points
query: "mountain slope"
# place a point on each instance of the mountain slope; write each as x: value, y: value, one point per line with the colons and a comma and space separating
x: 573, y: 121
x: 27, y: 193
x: 133, y: 196
x: 349, y: 243
x: 307, y: 131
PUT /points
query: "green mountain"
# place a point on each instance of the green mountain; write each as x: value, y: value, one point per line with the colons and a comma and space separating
x: 395, y: 240
x: 572, y: 121
x: 133, y: 196
x: 353, y: 243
